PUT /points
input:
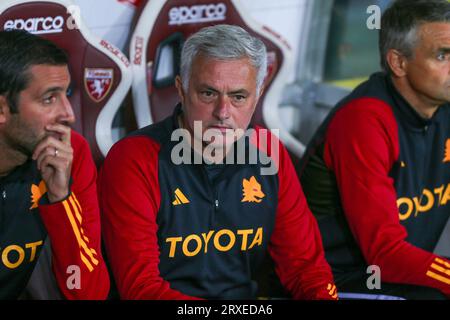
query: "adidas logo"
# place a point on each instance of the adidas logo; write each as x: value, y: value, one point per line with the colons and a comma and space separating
x: 180, y: 198
x: 447, y: 151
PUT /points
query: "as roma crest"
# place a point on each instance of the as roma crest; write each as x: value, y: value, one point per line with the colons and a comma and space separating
x: 98, y: 82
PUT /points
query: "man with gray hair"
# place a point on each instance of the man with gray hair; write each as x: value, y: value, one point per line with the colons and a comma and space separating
x: 178, y: 228
x: 377, y: 172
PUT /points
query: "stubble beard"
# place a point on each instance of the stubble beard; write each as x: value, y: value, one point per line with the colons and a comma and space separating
x: 21, y: 138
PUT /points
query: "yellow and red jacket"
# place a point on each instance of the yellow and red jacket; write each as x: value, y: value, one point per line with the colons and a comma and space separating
x: 377, y: 178
x: 181, y: 231
x: 68, y: 232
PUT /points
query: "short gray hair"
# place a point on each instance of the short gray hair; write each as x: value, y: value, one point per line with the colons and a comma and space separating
x: 400, y: 22
x: 224, y: 42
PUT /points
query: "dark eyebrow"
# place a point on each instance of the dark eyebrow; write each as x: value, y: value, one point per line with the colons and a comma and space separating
x: 234, y: 92
x: 444, y: 50
x: 206, y: 87
x: 53, y: 89
x: 240, y: 91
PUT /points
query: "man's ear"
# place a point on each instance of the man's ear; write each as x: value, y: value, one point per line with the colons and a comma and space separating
x: 397, y: 62
x: 4, y: 109
x: 179, y: 86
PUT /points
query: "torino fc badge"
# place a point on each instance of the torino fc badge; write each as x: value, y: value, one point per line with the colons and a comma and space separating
x: 98, y: 82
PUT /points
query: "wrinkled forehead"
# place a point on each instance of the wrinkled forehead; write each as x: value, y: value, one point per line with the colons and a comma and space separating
x: 211, y: 66
x: 225, y: 76
x: 436, y: 34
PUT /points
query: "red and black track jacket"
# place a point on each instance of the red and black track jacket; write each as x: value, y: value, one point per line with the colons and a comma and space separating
x: 377, y: 178
x: 28, y: 222
x: 196, y: 230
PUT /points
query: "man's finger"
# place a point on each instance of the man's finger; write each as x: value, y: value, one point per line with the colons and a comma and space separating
x: 50, y: 142
x: 52, y: 152
x: 57, y: 163
x: 55, y: 172
x: 47, y: 152
x: 63, y: 130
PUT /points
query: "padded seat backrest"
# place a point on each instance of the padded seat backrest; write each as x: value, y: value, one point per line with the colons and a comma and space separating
x: 155, y: 48
x: 100, y: 73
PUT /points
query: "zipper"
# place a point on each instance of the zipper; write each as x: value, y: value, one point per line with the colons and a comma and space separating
x: 2, y: 194
x: 213, y: 194
x: 216, y: 206
x: 2, y: 202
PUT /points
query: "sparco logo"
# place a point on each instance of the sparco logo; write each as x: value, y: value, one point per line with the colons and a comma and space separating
x: 197, y: 14
x: 39, y: 25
